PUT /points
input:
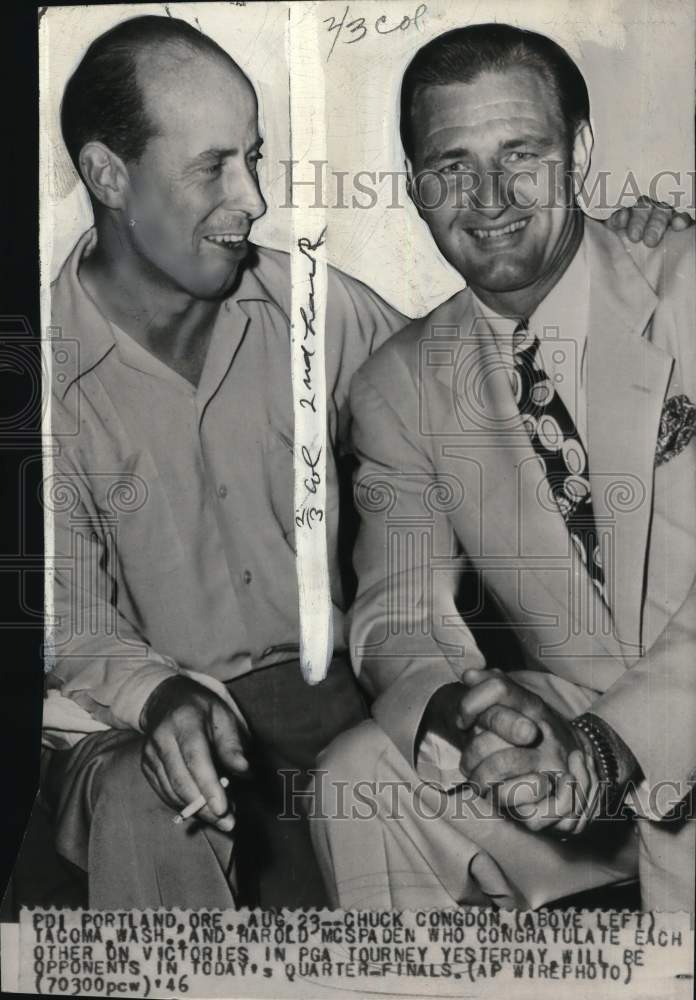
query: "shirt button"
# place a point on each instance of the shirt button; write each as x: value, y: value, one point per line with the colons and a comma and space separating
x: 222, y: 491
x: 246, y: 576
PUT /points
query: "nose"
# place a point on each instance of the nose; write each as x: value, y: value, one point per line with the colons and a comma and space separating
x: 242, y: 192
x: 489, y: 195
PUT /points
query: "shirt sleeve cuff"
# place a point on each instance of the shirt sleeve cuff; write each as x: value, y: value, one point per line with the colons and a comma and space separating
x: 133, y: 694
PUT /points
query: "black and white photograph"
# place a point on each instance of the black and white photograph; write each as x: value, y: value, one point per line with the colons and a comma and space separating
x: 367, y: 482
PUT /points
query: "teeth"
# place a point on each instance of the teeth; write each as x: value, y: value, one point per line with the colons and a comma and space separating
x: 487, y: 234
x: 225, y: 239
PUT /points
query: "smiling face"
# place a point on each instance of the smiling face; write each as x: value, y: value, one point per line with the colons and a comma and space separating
x: 194, y: 192
x: 493, y: 160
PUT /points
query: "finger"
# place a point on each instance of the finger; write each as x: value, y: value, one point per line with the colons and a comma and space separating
x: 585, y: 789
x: 157, y: 776
x: 656, y: 226
x: 638, y: 218
x: 503, y: 765
x: 681, y: 220
x: 494, y: 690
x: 529, y: 789
x: 565, y: 799
x: 162, y: 789
x: 480, y: 746
x: 195, y: 751
x: 187, y: 788
x: 510, y: 725
x: 535, y: 816
x: 567, y: 825
x: 227, y: 742
x: 473, y: 676
x: 574, y: 822
x: 618, y: 219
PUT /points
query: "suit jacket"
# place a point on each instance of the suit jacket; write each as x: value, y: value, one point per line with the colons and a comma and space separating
x: 450, y: 490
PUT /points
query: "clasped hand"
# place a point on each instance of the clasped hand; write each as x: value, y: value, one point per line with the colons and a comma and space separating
x: 540, y: 767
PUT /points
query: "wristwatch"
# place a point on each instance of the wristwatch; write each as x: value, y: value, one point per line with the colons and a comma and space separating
x: 605, y: 760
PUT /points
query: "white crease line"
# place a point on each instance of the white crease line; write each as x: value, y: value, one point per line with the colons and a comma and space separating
x: 308, y: 316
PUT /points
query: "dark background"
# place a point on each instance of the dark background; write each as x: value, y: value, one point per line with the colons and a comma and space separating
x: 21, y: 532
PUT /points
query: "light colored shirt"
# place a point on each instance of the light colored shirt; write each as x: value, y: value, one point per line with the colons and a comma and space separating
x: 172, y: 504
x: 560, y: 322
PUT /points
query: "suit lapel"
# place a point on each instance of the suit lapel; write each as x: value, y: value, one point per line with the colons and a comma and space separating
x: 627, y: 378
x: 517, y: 518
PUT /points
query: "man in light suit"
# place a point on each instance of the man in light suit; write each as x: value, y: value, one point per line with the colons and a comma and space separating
x: 526, y: 614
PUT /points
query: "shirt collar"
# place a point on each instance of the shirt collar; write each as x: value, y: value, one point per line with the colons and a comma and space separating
x: 82, y: 331
x: 564, y: 313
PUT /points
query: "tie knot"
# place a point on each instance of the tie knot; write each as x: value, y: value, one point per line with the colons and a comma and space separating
x: 524, y: 343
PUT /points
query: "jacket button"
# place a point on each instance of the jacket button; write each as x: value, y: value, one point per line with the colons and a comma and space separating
x: 222, y: 491
x: 246, y: 576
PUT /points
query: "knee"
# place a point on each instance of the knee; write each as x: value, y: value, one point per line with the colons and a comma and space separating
x: 353, y: 754
x: 115, y: 772
x: 120, y: 764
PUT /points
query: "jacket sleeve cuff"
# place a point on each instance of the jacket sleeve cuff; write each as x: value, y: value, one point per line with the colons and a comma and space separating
x: 399, y: 709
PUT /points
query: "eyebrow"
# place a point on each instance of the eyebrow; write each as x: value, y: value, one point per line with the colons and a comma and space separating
x: 461, y: 152
x: 530, y: 138
x: 434, y: 154
x: 218, y: 153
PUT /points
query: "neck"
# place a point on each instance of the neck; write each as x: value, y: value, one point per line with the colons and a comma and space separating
x: 523, y: 301
x: 167, y: 321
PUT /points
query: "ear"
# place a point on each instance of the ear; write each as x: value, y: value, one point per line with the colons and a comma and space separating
x: 105, y: 174
x: 582, y: 154
x: 410, y: 173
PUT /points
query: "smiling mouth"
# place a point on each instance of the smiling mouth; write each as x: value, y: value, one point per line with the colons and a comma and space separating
x: 228, y: 241
x: 492, y: 234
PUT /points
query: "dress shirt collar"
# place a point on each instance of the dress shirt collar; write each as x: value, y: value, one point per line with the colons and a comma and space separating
x: 92, y: 335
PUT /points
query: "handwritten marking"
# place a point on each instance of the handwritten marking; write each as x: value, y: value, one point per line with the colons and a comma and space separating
x: 303, y: 517
x: 310, y: 462
x: 309, y: 274
x: 357, y: 27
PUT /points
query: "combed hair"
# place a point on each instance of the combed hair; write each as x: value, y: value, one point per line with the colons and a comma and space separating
x: 463, y: 54
x: 102, y: 100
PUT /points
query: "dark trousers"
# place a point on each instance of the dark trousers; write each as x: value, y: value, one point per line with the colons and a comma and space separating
x: 112, y: 825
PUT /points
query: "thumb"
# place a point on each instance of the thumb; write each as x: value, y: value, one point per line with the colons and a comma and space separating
x: 227, y: 740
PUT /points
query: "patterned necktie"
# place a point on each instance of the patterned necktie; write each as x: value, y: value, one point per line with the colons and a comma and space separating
x: 555, y: 440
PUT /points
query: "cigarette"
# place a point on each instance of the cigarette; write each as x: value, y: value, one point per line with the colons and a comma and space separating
x: 193, y: 807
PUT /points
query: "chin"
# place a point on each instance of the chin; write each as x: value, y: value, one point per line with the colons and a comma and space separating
x: 507, y: 277
x: 212, y: 287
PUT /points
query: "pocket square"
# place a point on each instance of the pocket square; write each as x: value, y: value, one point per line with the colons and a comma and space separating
x: 677, y: 425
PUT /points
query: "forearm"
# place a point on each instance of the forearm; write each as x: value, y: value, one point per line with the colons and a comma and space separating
x: 407, y: 638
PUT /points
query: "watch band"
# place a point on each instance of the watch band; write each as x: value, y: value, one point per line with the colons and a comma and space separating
x: 604, y: 756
